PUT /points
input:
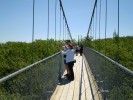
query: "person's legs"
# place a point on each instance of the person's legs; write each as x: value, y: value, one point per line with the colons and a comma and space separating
x: 81, y: 52
x: 67, y: 70
x: 76, y: 52
x: 71, y: 77
x: 66, y: 67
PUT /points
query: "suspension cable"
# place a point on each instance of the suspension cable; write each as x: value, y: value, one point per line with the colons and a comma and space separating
x: 48, y: 28
x: 65, y: 20
x: 33, y: 32
x: 105, y: 25
x: 91, y: 17
x: 118, y: 33
x: 91, y: 31
x: 60, y: 25
x: 99, y: 19
x: 96, y: 23
x: 118, y: 73
x: 63, y: 28
x: 105, y: 37
x: 99, y: 24
x: 93, y: 28
x: 65, y: 31
x: 55, y: 17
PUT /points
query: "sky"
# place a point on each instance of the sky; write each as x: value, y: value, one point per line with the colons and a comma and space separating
x: 16, y: 19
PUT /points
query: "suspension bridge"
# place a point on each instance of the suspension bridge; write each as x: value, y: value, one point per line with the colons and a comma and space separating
x: 96, y: 76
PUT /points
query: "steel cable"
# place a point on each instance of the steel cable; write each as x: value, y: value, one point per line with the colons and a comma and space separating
x: 33, y: 32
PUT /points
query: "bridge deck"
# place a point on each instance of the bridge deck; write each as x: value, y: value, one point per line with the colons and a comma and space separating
x: 77, y: 89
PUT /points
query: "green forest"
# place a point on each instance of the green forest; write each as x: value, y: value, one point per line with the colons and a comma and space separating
x: 119, y: 49
x: 117, y: 81
x: 16, y: 55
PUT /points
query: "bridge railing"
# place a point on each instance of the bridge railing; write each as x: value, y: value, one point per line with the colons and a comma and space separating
x: 34, y: 82
x: 115, y: 82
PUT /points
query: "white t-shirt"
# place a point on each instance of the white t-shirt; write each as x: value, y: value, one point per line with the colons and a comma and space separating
x: 69, y: 55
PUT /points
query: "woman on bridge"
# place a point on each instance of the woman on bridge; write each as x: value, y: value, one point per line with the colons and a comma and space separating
x: 69, y: 59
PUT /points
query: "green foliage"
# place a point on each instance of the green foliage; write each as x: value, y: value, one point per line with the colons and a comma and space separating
x: 16, y: 55
x: 119, y: 49
x: 34, y: 83
x: 115, y: 79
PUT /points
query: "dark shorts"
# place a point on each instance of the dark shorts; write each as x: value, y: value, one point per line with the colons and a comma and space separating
x: 76, y: 50
x: 70, y: 64
x: 64, y: 59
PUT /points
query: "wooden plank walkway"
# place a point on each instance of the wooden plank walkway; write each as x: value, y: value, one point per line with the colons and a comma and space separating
x: 79, y: 89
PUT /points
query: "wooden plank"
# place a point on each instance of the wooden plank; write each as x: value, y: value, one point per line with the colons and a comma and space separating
x: 92, y: 80
x: 87, y: 85
x: 83, y: 97
x: 77, y: 79
x: 65, y: 92
x: 57, y: 94
x: 58, y: 91
x: 70, y: 90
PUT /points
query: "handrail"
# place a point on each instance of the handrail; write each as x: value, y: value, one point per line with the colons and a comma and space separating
x: 112, y: 78
x: 24, y: 69
x: 114, y: 62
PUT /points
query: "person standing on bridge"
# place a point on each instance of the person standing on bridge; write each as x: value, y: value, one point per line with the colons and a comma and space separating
x: 81, y: 49
x: 67, y: 69
x: 69, y: 59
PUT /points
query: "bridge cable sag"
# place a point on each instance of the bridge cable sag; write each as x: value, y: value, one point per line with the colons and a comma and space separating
x: 91, y: 18
x: 68, y: 29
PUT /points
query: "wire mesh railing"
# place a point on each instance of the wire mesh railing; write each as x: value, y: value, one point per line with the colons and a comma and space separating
x: 34, y: 82
x: 115, y: 82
